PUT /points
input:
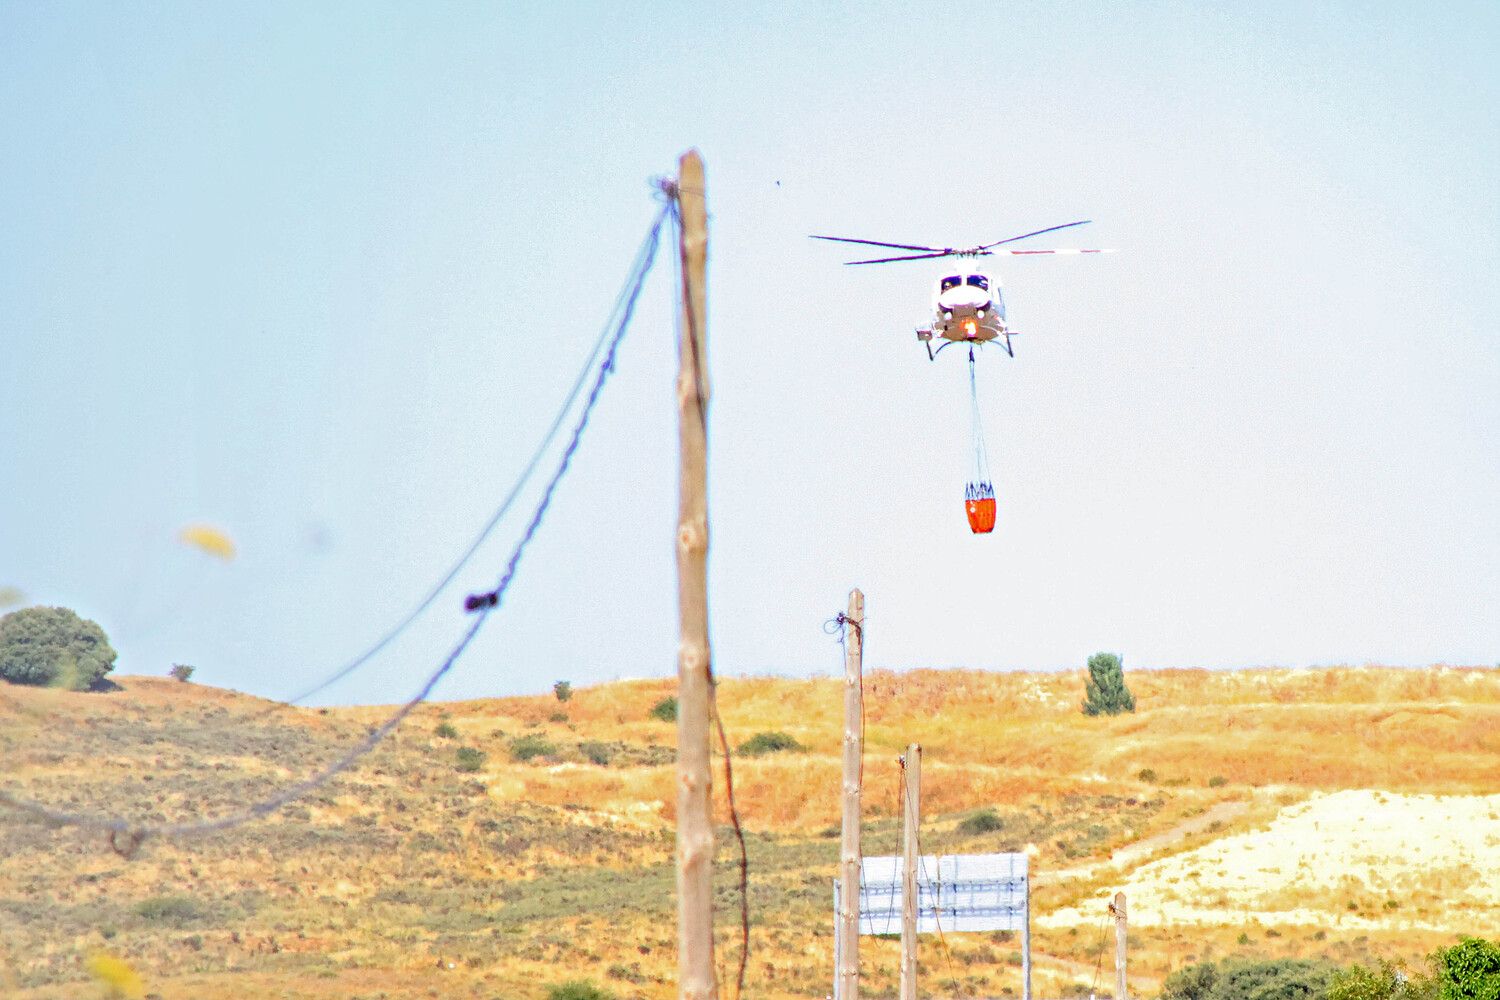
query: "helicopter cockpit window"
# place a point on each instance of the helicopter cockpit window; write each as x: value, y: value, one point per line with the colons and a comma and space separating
x: 979, y: 281
x: 950, y: 282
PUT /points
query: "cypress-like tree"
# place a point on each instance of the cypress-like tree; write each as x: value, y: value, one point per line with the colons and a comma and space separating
x: 1105, y: 689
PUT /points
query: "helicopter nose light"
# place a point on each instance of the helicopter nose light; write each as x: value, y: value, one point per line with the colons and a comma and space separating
x: 970, y: 327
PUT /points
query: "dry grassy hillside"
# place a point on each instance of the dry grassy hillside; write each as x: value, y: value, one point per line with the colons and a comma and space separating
x: 1339, y: 812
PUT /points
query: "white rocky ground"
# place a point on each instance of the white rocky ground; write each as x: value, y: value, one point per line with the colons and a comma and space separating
x: 1429, y: 862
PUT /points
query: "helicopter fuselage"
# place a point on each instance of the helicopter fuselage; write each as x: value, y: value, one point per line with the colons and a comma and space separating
x: 967, y: 307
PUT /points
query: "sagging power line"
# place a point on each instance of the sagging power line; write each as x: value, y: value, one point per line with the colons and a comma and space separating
x: 126, y: 836
x: 624, y: 304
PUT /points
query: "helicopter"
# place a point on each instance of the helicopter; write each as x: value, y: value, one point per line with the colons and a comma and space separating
x: 968, y: 306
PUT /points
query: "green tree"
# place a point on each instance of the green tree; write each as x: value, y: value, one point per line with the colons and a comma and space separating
x: 1105, y: 689
x: 53, y: 646
x: 1470, y: 970
x: 563, y: 690
x: 665, y: 710
x: 181, y: 671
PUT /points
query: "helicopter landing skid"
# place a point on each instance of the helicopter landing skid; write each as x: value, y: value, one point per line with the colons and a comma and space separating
x: 924, y: 334
x: 932, y: 355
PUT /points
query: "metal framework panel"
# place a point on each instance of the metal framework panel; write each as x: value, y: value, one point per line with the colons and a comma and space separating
x: 960, y: 892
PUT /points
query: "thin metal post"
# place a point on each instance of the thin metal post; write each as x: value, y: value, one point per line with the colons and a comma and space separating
x: 911, y: 816
x: 695, y: 834
x: 1026, y: 941
x: 849, y: 850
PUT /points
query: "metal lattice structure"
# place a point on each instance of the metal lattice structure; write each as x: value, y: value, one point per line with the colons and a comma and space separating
x: 960, y: 892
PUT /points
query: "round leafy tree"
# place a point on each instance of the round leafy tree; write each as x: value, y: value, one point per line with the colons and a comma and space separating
x: 1470, y: 970
x: 53, y: 646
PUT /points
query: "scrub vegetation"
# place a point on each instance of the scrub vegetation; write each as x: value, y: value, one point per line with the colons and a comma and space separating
x: 551, y: 863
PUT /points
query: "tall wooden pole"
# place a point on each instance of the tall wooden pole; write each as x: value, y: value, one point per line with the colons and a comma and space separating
x: 854, y: 746
x: 1118, y: 909
x: 695, y: 834
x: 911, y: 816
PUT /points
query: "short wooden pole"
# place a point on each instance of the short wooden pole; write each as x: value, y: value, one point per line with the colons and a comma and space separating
x: 911, y: 817
x: 1118, y: 909
x: 695, y: 834
x: 849, y: 851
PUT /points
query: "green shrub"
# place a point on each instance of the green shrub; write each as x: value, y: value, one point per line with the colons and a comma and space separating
x: 763, y: 743
x: 578, y: 989
x: 563, y: 690
x: 597, y: 753
x: 1146, y: 774
x: 1249, y: 979
x: 1193, y: 982
x: 1105, y: 689
x: 470, y: 759
x: 1470, y: 970
x: 181, y: 672
x: 1217, y: 781
x: 445, y: 731
x: 558, y: 717
x: 174, y: 910
x: 1387, y: 982
x: 984, y: 821
x: 665, y: 710
x: 629, y: 973
x: 531, y: 746
x: 53, y: 646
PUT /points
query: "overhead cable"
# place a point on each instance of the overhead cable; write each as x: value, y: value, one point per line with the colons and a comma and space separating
x: 624, y: 303
x: 125, y: 836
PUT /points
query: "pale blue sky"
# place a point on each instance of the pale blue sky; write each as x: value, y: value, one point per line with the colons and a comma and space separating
x: 319, y: 274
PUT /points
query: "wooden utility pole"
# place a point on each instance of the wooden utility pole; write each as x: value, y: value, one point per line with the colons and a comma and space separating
x: 911, y: 816
x: 695, y: 832
x: 1118, y: 909
x: 854, y: 746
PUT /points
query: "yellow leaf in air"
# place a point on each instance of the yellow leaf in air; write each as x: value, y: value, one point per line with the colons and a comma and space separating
x: 208, y: 539
x: 116, y: 975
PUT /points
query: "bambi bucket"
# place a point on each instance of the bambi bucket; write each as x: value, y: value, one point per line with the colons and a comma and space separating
x: 979, y: 504
x: 981, y: 515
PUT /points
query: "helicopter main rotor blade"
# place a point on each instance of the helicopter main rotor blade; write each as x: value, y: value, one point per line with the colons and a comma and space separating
x: 1027, y: 253
x: 888, y: 260
x: 875, y: 243
x: 1024, y: 236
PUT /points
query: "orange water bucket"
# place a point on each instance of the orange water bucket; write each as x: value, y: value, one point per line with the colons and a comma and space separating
x: 979, y: 504
x: 981, y: 515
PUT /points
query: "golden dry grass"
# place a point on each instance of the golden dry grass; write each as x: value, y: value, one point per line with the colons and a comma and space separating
x: 524, y: 874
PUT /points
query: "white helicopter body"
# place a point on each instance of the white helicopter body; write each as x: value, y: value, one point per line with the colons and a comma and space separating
x: 967, y: 305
